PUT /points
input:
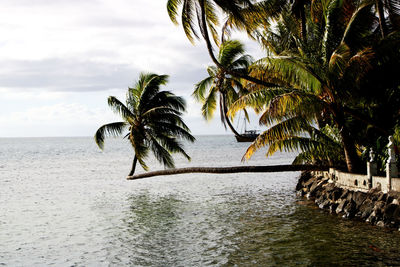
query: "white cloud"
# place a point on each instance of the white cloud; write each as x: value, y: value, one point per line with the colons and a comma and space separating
x: 60, y: 59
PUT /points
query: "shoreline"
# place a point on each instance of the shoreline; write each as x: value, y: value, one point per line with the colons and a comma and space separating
x: 373, y: 206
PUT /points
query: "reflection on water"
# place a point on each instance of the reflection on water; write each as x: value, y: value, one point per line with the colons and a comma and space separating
x: 250, y: 230
x: 64, y: 203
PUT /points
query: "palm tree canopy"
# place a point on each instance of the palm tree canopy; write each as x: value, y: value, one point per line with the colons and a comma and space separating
x: 220, y: 86
x: 192, y: 15
x: 153, y: 118
x: 315, y: 84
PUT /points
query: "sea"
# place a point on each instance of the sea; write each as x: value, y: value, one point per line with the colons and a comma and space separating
x: 64, y: 202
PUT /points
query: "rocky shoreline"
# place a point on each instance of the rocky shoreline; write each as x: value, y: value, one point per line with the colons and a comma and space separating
x: 374, y: 206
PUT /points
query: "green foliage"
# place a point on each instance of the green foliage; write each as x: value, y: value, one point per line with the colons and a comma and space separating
x: 220, y: 86
x: 153, y: 118
x: 329, y: 81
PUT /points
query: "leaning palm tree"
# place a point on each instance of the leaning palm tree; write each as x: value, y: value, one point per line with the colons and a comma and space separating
x: 153, y: 120
x: 220, y: 85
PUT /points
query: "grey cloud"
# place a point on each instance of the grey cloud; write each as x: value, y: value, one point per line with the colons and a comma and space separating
x: 37, y: 3
x: 66, y: 75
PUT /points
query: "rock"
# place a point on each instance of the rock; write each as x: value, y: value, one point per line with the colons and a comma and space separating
x: 389, y: 199
x: 380, y: 224
x: 374, y: 191
x: 375, y: 207
x: 382, y: 196
x: 359, y: 198
x: 310, y: 182
x: 329, y: 187
x: 320, y: 199
x: 342, y: 204
x: 349, y: 196
x: 335, y: 194
x: 333, y: 207
x: 344, y: 194
x: 324, y: 204
x: 350, y: 209
x: 301, y: 192
x: 390, y: 213
x: 304, y: 177
x: 316, y: 186
x: 366, y: 209
x: 372, y: 218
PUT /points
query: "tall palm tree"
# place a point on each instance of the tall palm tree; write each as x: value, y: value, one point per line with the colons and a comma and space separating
x: 153, y: 120
x: 219, y: 84
x: 316, y: 86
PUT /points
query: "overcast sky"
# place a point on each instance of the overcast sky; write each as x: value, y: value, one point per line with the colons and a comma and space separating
x: 61, y: 59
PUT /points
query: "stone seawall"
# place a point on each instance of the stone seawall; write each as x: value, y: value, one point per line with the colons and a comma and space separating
x: 373, y: 206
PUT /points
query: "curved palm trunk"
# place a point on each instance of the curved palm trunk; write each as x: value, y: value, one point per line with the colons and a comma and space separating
x: 234, y: 169
x: 225, y: 111
x: 133, y: 166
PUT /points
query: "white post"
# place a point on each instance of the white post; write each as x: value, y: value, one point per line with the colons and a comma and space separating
x: 391, y: 167
x: 371, y: 168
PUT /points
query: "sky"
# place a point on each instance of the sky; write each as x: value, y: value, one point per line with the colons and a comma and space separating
x: 61, y: 59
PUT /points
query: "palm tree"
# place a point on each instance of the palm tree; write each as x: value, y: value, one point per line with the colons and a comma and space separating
x: 316, y: 86
x: 153, y: 120
x: 202, y: 15
x: 219, y: 84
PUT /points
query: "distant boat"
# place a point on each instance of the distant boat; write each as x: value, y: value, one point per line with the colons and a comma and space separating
x: 247, y: 136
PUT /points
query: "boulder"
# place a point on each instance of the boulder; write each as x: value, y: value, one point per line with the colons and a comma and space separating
x: 382, y: 196
x: 366, y: 209
x: 310, y: 182
x: 320, y: 199
x: 329, y: 187
x: 350, y: 209
x: 389, y: 199
x: 304, y: 177
x: 342, y: 203
x: 390, y: 213
x: 359, y: 198
x: 344, y: 194
x: 372, y: 218
x: 349, y: 195
x: 335, y: 194
x: 333, y: 207
x: 380, y: 224
x: 316, y: 186
x: 324, y: 204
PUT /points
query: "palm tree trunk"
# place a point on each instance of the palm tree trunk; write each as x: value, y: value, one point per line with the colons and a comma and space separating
x: 381, y: 15
x: 133, y: 166
x: 214, y: 59
x: 352, y: 160
x: 225, y: 111
x: 303, y: 24
x: 234, y: 169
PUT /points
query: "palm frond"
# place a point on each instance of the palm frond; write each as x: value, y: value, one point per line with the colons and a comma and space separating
x: 111, y: 129
x: 210, y: 104
x: 201, y: 88
x: 119, y: 108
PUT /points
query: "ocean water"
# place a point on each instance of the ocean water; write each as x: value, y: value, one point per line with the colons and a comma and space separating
x: 63, y: 202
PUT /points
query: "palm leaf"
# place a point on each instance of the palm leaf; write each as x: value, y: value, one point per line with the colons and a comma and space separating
x: 112, y: 129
